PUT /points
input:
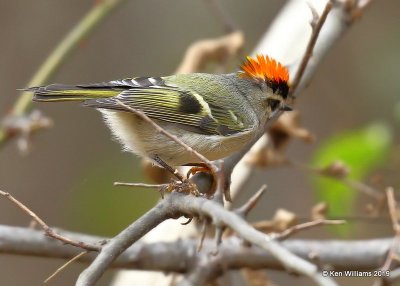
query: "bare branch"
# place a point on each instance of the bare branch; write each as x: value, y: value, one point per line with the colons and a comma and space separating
x: 161, y: 130
x: 232, y: 161
x: 316, y: 28
x: 307, y: 225
x: 48, y: 230
x: 203, y: 272
x: 364, y: 188
x: 176, y: 204
x: 339, y: 171
x: 139, y: 185
x: 392, y: 253
x: 179, y: 256
x: 203, y: 233
x: 244, y: 210
x: 124, y: 239
x: 218, y: 214
x: 73, y: 259
x: 334, y: 27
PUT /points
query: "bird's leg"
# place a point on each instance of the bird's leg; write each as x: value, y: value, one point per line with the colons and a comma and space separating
x: 168, y: 168
x: 184, y: 186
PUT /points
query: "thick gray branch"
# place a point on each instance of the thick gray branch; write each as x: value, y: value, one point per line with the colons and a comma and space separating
x: 180, y: 256
x: 219, y: 215
x: 177, y: 204
x: 123, y: 240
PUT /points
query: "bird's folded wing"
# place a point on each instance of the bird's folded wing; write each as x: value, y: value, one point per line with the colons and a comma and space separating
x: 185, y: 108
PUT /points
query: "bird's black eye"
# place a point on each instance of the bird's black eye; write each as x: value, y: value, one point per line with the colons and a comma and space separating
x: 274, y: 103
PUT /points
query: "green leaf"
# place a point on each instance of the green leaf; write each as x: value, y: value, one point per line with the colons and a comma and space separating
x: 362, y: 150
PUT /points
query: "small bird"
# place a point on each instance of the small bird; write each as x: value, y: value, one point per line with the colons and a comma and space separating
x: 216, y: 115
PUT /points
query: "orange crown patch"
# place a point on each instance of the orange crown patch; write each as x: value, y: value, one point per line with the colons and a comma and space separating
x: 264, y: 68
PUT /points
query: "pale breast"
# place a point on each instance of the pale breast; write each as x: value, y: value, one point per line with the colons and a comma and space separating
x: 141, y: 138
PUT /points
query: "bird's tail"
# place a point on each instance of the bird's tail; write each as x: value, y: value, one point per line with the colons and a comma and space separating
x: 61, y: 92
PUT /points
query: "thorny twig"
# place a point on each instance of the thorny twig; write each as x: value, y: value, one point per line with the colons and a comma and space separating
x: 48, y: 230
x: 392, y: 205
x: 333, y: 30
x: 73, y: 259
x: 177, y: 256
x: 218, y: 176
x: 244, y: 210
x: 338, y: 171
x: 161, y: 130
x: 203, y: 233
x: 316, y: 25
x: 249, y: 205
x: 124, y: 239
x: 220, y: 215
x: 237, y: 159
x: 364, y: 188
x: 321, y: 282
x: 307, y: 225
x: 177, y: 204
x: 203, y: 272
x: 259, y: 142
x: 139, y: 185
x: 196, y: 56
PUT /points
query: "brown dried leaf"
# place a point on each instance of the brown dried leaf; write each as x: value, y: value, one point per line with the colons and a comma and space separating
x: 283, y: 219
x: 265, y: 226
x: 319, y: 211
x: 266, y: 157
x: 337, y: 169
x: 219, y: 50
x: 24, y: 126
x: 370, y: 209
x: 287, y: 127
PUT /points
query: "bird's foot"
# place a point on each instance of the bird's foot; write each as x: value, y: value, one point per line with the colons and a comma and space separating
x: 186, y: 187
x: 203, y: 168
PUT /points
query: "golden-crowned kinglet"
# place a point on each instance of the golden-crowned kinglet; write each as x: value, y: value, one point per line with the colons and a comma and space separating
x: 214, y: 114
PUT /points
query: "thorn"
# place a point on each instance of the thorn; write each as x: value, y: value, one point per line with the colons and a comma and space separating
x: 65, y: 265
x: 315, y: 16
x: 203, y: 235
x: 219, y: 231
x: 244, y: 210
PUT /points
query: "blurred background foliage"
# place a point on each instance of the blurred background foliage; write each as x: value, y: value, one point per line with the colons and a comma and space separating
x: 98, y: 207
x: 361, y: 151
x: 67, y: 177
